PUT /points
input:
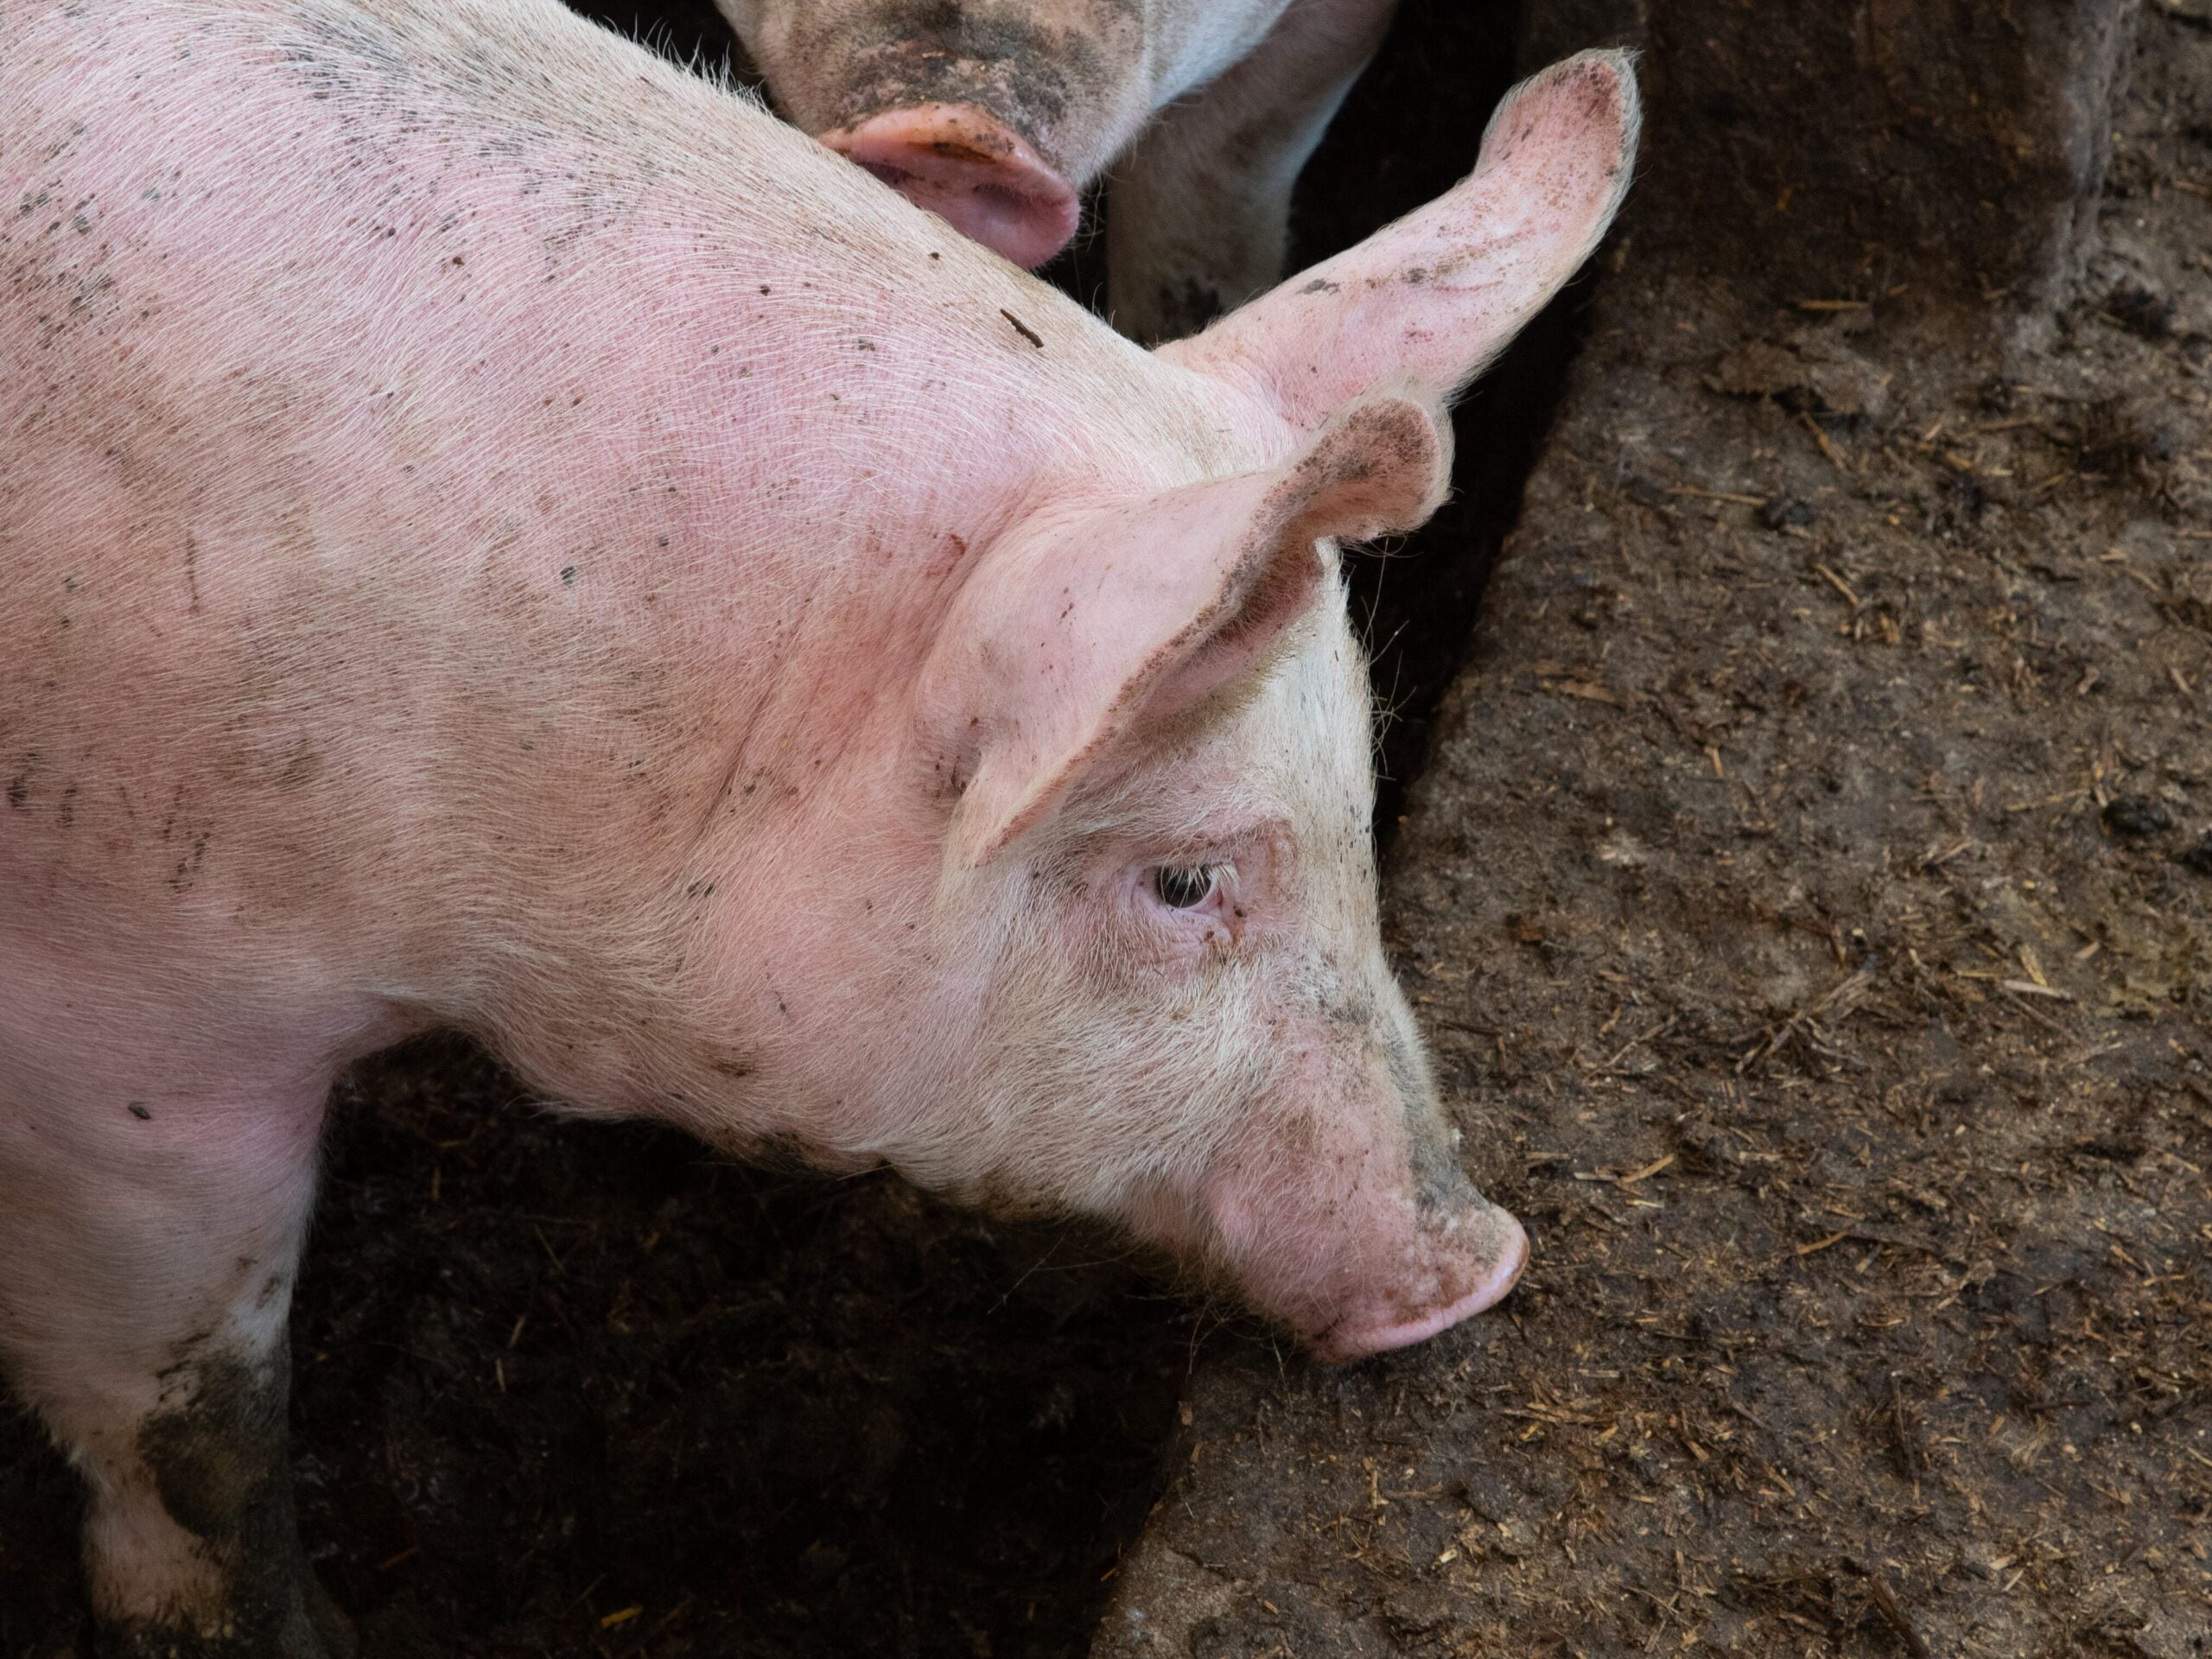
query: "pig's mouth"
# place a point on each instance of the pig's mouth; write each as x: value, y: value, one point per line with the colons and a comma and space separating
x: 1359, y: 1334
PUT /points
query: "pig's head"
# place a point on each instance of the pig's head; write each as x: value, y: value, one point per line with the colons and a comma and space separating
x: 1160, y: 880
x: 992, y: 113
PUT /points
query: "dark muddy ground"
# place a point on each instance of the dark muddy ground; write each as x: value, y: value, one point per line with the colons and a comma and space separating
x: 568, y: 1389
x: 1810, y: 899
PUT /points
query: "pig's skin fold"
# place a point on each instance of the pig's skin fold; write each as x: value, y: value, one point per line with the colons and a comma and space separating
x: 498, y: 533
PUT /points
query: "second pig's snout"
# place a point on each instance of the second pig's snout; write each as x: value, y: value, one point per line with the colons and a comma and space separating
x: 971, y: 170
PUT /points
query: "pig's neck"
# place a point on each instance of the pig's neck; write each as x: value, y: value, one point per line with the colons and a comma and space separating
x: 700, y: 711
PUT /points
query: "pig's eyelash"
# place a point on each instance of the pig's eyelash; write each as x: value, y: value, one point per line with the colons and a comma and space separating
x: 1183, y: 887
x: 1193, y: 887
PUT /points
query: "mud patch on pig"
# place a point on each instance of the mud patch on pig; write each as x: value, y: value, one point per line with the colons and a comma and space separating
x: 220, y: 1462
x: 366, y: 44
x: 1432, y: 1150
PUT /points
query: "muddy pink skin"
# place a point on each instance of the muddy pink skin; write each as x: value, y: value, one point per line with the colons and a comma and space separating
x: 558, y: 554
x: 996, y: 113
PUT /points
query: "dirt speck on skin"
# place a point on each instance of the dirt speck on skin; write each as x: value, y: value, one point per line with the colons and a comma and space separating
x: 213, y: 1456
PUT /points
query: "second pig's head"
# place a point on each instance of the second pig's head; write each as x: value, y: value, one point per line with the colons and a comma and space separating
x: 994, y: 114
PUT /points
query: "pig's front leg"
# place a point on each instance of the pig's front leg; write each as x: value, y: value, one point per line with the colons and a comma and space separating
x: 148, y: 1242
x: 1198, y: 210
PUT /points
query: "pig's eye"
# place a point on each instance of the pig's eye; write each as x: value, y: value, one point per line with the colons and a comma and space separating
x: 1186, y: 888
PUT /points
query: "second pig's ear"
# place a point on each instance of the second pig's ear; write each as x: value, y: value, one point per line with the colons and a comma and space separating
x: 1434, y: 297
x: 1083, y: 631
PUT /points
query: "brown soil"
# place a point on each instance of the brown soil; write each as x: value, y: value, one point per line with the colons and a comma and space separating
x: 1810, y: 899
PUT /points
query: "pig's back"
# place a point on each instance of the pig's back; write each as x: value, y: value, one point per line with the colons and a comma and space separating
x: 433, y: 435
x: 204, y: 415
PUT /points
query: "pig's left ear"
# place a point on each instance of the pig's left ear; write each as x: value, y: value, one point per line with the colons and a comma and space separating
x: 1431, y: 299
x: 1081, y: 631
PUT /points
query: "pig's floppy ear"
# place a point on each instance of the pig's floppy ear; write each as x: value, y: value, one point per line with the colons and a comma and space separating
x: 1436, y: 296
x: 1078, y: 631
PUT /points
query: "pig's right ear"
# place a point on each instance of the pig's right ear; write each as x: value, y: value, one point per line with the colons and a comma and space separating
x: 1089, y: 627
x: 1434, y: 297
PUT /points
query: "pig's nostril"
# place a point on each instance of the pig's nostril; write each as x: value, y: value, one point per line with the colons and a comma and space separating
x: 892, y: 175
x: 947, y: 150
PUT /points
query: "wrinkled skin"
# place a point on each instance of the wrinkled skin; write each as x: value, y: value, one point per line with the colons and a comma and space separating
x: 496, y: 533
x: 997, y: 113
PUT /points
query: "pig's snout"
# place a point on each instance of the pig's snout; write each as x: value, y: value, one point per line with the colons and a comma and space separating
x: 1489, y: 1264
x: 971, y: 170
x: 1362, y: 1271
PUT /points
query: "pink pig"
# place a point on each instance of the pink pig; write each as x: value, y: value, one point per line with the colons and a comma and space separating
x: 997, y: 113
x: 498, y: 533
